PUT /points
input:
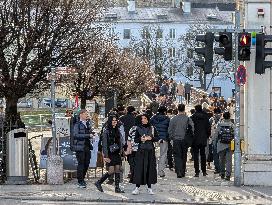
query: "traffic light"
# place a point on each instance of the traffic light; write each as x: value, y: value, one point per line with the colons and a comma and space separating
x: 262, y: 52
x: 244, y: 43
x: 225, y: 45
x: 206, y: 51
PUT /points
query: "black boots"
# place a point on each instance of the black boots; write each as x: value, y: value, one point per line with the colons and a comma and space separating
x: 117, y: 182
x: 100, y: 182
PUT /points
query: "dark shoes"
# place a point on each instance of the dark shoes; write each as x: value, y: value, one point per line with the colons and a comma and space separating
x: 81, y: 185
x: 227, y: 178
x: 118, y: 190
x: 205, y: 174
x: 98, y: 186
x: 197, y: 175
x: 222, y: 176
x: 110, y: 182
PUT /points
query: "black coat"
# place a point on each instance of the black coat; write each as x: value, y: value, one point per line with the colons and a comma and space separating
x: 128, y: 121
x: 202, y: 128
x: 145, y: 171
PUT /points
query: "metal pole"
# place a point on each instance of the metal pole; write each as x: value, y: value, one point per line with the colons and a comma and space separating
x: 237, y: 151
x: 53, y: 79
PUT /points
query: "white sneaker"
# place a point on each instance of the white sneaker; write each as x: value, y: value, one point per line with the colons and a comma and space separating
x: 135, y: 191
x: 149, y: 191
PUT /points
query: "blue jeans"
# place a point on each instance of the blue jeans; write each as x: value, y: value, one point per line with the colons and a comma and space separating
x: 215, y: 157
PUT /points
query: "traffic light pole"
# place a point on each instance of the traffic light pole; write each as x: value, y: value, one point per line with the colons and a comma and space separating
x: 237, y: 151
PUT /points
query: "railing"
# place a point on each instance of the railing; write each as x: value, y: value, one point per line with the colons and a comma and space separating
x: 196, y: 95
x: 38, y: 121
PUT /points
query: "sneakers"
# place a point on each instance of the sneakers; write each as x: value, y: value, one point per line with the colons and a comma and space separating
x: 135, y: 191
x: 81, y: 185
x: 149, y: 191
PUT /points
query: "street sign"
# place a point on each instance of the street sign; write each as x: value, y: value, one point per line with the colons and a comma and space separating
x: 241, y: 75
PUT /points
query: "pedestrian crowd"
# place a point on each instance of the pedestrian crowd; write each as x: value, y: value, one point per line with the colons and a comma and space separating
x: 206, y: 132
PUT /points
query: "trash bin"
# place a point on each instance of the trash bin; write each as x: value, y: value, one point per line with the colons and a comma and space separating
x: 17, y: 157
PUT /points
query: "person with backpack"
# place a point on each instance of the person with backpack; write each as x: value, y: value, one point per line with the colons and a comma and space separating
x: 81, y: 144
x: 224, y: 134
x: 112, y: 146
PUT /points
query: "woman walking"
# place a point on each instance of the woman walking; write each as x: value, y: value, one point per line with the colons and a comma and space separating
x: 113, y: 142
x: 145, y: 172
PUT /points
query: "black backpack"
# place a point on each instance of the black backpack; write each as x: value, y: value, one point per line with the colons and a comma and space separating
x: 226, y: 134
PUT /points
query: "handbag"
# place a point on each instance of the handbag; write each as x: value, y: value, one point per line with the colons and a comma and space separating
x: 189, y: 135
x: 114, y: 147
x: 148, y: 145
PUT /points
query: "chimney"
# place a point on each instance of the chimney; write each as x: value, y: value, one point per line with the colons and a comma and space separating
x: 176, y: 3
x: 131, y: 6
x: 186, y: 7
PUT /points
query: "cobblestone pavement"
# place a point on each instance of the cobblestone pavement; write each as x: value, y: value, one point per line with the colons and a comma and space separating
x: 169, y: 190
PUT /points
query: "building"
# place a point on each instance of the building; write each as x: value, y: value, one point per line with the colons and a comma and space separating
x: 129, y: 24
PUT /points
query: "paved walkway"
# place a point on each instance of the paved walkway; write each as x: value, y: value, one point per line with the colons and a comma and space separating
x: 169, y: 190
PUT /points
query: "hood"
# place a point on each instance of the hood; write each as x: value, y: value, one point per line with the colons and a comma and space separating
x: 158, y: 118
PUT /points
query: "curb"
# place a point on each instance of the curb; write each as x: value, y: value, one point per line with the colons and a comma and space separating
x: 72, y: 199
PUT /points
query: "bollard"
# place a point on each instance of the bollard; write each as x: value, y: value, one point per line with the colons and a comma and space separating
x: 54, y: 170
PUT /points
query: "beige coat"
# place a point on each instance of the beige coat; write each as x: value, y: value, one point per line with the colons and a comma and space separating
x: 180, y: 89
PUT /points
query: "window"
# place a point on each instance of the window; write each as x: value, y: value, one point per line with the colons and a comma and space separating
x: 159, y: 33
x: 145, y: 34
x: 111, y: 32
x: 172, y: 33
x: 172, y: 52
x: 159, y: 52
x: 126, y: 33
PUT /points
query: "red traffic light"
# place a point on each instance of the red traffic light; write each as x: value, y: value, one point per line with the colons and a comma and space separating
x: 245, y: 40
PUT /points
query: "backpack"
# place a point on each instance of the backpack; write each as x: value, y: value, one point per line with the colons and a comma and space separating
x: 226, y: 134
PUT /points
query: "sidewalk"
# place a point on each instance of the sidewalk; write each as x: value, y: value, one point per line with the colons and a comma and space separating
x: 169, y: 190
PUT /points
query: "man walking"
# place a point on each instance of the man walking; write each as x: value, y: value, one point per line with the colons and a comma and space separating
x: 82, y: 146
x: 177, y: 129
x: 161, y: 122
x: 202, y: 132
x: 187, y: 90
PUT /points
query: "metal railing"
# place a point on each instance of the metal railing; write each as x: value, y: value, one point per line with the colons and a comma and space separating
x: 196, y: 95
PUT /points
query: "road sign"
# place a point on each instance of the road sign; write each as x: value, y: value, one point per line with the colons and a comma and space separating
x: 241, y: 75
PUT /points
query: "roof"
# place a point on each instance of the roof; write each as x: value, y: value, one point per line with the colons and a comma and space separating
x: 165, y: 15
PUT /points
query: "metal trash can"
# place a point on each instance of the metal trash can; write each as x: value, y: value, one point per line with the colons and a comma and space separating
x: 17, y: 156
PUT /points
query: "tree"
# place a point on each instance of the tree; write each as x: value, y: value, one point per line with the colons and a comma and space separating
x: 40, y: 33
x: 154, y: 47
x: 107, y: 68
x: 186, y: 66
x: 137, y: 77
x: 99, y: 71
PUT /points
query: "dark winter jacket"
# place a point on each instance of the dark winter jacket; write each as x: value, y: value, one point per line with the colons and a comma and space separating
x: 161, y: 123
x: 164, y: 89
x: 107, y: 142
x: 154, y: 106
x: 202, y: 128
x: 128, y: 121
x: 81, y: 136
x: 187, y: 88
